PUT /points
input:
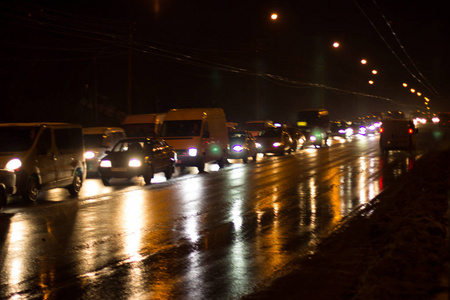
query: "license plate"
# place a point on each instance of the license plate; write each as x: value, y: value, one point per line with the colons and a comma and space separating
x: 118, y: 169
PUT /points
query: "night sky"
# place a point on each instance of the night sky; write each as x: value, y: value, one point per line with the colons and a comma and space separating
x: 92, y: 62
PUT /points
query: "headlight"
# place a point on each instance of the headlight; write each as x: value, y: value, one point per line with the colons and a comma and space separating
x: 192, y: 152
x: 89, y: 154
x: 258, y: 145
x: 238, y: 148
x: 13, y: 164
x: 134, y: 163
x: 105, y: 163
x: 341, y: 131
x: 276, y: 144
x: 313, y: 138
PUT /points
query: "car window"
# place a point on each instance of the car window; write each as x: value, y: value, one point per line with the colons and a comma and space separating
x: 68, y: 139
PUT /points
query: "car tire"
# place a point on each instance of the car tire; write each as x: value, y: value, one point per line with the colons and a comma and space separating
x: 75, y: 187
x: 3, y: 198
x: 148, y: 176
x: 106, y: 181
x: 169, y: 171
x: 201, y: 165
x: 32, y: 190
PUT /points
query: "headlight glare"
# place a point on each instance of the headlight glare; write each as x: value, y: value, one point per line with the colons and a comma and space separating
x: 134, y: 163
x: 89, y: 154
x: 192, y: 152
x: 106, y: 163
x: 13, y: 164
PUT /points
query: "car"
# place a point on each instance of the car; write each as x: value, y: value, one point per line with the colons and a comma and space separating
x: 7, y: 186
x: 97, y: 140
x: 340, y: 129
x: 132, y: 157
x: 43, y: 156
x: 298, y: 138
x: 274, y: 140
x: 242, y: 145
x: 397, y: 134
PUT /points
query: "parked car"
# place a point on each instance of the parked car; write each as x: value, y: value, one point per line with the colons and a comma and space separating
x: 138, y: 157
x: 274, y: 140
x: 242, y: 145
x: 43, y: 156
x: 7, y: 186
x: 97, y: 140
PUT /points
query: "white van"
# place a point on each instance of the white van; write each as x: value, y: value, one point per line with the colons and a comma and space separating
x: 97, y: 140
x: 198, y: 136
x: 397, y: 134
x: 142, y: 125
x: 43, y: 156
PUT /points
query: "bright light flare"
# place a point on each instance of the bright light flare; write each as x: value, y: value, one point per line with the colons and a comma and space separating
x: 274, y: 16
x: 134, y: 163
x: 13, y: 164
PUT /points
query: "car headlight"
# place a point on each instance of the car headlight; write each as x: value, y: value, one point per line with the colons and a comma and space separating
x: 313, y: 138
x: 89, y: 154
x: 258, y: 145
x: 238, y: 148
x: 106, y: 163
x: 134, y: 163
x: 276, y: 144
x: 13, y: 164
x: 192, y: 151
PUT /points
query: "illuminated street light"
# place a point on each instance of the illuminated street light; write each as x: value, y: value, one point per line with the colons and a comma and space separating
x: 374, y: 72
x: 413, y: 91
x: 274, y: 16
x: 336, y: 44
x: 405, y: 84
x: 426, y: 99
x: 363, y: 61
x: 419, y: 94
x: 371, y: 82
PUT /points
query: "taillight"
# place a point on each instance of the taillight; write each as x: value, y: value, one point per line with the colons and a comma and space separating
x: 381, y: 129
x: 411, y: 131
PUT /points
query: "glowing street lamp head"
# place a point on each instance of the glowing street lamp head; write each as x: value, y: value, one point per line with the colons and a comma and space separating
x: 336, y: 44
x: 274, y: 16
x: 363, y: 61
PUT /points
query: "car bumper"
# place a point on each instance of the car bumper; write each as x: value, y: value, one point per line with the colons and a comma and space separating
x: 125, y: 172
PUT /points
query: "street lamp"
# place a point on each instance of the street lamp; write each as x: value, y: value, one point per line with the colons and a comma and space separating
x: 274, y: 16
x: 363, y: 61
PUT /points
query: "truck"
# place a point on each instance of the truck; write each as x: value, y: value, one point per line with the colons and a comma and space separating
x: 315, y: 125
x: 142, y: 125
x: 198, y: 136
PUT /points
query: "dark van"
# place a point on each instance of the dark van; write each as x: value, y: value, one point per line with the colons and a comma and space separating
x: 43, y: 156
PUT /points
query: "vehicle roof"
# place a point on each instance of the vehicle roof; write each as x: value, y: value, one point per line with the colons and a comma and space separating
x: 93, y: 130
x: 37, y: 124
x: 138, y: 139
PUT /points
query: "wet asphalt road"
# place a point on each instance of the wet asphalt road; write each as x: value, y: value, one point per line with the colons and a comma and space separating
x: 215, y: 235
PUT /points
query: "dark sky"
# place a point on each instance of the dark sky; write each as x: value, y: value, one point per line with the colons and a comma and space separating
x: 75, y: 61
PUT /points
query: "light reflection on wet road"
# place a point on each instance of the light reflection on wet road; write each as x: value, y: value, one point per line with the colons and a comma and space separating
x: 215, y: 235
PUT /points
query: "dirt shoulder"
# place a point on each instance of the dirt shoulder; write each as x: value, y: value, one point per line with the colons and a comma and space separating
x: 396, y: 247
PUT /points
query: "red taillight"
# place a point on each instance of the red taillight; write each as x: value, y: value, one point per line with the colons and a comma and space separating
x: 381, y: 129
x: 411, y: 131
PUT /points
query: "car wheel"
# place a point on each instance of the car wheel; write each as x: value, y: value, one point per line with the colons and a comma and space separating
x: 169, y: 171
x: 75, y: 187
x: 2, y: 198
x: 201, y: 165
x: 32, y: 190
x: 106, y: 181
x: 148, y: 177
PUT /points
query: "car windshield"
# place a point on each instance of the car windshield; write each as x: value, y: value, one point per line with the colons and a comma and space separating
x: 129, y: 146
x: 270, y: 132
x: 181, y: 128
x: 93, y: 140
x: 17, y: 139
x: 237, y: 135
